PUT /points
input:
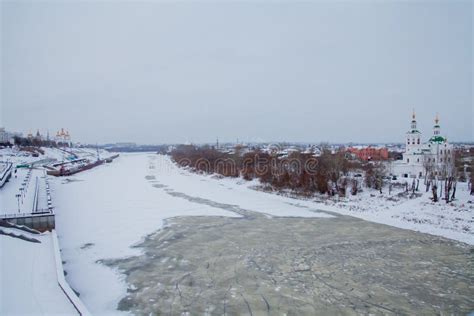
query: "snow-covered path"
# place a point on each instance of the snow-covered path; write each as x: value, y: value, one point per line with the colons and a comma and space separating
x: 29, y: 284
x: 104, y: 211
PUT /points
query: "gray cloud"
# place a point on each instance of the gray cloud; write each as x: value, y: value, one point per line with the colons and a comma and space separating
x: 156, y: 72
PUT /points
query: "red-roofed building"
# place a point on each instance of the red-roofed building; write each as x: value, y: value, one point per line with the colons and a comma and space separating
x: 369, y: 153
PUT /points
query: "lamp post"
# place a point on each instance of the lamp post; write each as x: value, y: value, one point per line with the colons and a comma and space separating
x: 18, y: 199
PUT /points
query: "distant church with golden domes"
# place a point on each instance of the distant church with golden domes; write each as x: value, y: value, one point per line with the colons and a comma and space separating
x: 63, y: 136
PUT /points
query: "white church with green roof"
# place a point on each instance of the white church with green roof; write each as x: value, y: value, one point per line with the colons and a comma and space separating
x: 435, y: 157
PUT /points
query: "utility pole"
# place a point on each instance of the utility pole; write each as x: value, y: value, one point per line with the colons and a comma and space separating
x: 18, y: 199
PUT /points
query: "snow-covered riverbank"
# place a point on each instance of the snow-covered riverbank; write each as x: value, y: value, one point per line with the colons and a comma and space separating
x: 454, y: 220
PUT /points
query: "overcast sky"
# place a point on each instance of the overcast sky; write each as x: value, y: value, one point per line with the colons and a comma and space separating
x: 162, y: 72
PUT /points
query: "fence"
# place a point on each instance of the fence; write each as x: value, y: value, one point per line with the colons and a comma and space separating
x: 41, y: 221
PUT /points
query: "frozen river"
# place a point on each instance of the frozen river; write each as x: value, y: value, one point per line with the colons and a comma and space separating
x: 109, y: 216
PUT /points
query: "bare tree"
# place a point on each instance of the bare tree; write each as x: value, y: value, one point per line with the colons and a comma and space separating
x: 354, y: 187
x: 428, y: 166
x: 447, y: 188
x: 434, y: 189
x: 453, y: 196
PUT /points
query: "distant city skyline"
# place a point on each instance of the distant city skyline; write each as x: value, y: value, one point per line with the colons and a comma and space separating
x: 162, y: 72
x: 46, y: 132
